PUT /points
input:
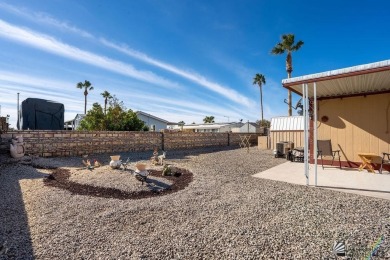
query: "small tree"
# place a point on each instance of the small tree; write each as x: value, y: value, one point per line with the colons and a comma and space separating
x: 264, y: 123
x: 118, y: 118
x: 94, y: 119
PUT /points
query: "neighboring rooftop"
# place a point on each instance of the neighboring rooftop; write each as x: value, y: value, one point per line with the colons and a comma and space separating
x: 155, y: 117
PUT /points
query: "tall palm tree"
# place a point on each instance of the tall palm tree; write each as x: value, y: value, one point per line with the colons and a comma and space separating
x: 208, y: 119
x: 287, y: 45
x: 86, y: 86
x: 106, y: 96
x: 259, y: 79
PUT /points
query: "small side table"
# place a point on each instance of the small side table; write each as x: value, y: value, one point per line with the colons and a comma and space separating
x: 367, y: 161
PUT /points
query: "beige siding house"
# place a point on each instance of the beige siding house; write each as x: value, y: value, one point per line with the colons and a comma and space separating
x: 353, y: 109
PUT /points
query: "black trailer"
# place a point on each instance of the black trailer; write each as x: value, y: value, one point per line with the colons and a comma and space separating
x: 41, y: 114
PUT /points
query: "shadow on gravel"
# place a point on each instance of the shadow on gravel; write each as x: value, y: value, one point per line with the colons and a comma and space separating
x: 60, y: 179
x: 15, y: 237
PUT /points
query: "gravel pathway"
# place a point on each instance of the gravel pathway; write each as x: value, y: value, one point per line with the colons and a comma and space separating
x: 224, y: 213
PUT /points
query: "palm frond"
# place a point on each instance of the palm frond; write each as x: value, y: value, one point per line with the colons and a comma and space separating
x: 106, y: 94
x: 87, y: 83
x: 278, y: 49
x: 297, y: 46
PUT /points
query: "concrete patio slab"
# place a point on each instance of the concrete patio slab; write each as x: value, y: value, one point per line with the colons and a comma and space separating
x: 345, y: 179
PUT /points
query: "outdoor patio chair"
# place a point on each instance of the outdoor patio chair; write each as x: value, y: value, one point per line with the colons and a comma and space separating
x: 385, y: 161
x: 325, y: 149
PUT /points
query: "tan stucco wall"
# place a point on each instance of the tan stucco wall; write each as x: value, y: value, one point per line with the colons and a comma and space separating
x: 356, y: 124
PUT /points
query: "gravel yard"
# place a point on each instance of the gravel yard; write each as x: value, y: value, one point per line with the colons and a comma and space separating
x: 223, y: 213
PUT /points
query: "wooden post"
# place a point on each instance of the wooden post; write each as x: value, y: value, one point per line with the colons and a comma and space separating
x: 162, y: 141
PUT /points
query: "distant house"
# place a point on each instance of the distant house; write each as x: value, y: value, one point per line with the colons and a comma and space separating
x: 248, y: 127
x: 154, y: 123
x: 211, y: 127
x: 74, y: 123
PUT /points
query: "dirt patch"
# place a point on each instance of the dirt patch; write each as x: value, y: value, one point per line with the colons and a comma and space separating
x: 60, y: 179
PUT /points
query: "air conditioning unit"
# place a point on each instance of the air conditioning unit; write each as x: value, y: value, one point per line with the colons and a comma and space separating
x: 282, y: 148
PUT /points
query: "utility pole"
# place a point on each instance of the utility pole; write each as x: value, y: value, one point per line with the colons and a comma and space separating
x: 18, y: 117
x: 228, y: 121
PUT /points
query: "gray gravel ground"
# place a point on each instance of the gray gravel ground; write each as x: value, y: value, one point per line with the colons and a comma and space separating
x: 223, y: 214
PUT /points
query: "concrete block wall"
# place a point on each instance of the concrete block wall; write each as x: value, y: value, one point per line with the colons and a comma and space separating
x: 187, y: 140
x: 75, y: 143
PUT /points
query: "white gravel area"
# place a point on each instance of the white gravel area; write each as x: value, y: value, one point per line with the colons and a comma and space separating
x: 224, y: 213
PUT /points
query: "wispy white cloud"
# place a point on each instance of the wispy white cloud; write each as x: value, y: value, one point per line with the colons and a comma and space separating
x: 43, y: 18
x: 184, y: 104
x: 52, y: 45
x: 198, y: 79
x: 46, y: 19
x: 27, y: 80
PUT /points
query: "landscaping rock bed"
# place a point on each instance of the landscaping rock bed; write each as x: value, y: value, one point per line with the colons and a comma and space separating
x: 108, y: 183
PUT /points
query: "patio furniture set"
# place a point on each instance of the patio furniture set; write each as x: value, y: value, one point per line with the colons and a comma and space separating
x: 324, y: 147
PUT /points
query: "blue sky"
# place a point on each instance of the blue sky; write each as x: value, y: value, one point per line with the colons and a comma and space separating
x: 179, y: 60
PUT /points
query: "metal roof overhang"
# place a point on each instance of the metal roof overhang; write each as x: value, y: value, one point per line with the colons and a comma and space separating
x: 373, y: 78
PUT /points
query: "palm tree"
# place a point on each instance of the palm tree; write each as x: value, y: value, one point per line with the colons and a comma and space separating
x: 208, y: 119
x: 87, y: 86
x: 287, y: 45
x: 106, y: 96
x: 259, y: 79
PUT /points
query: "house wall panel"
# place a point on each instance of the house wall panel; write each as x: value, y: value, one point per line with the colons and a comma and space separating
x: 289, y: 136
x: 356, y: 124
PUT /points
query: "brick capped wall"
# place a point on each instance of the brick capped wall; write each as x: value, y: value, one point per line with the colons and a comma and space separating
x: 75, y: 143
